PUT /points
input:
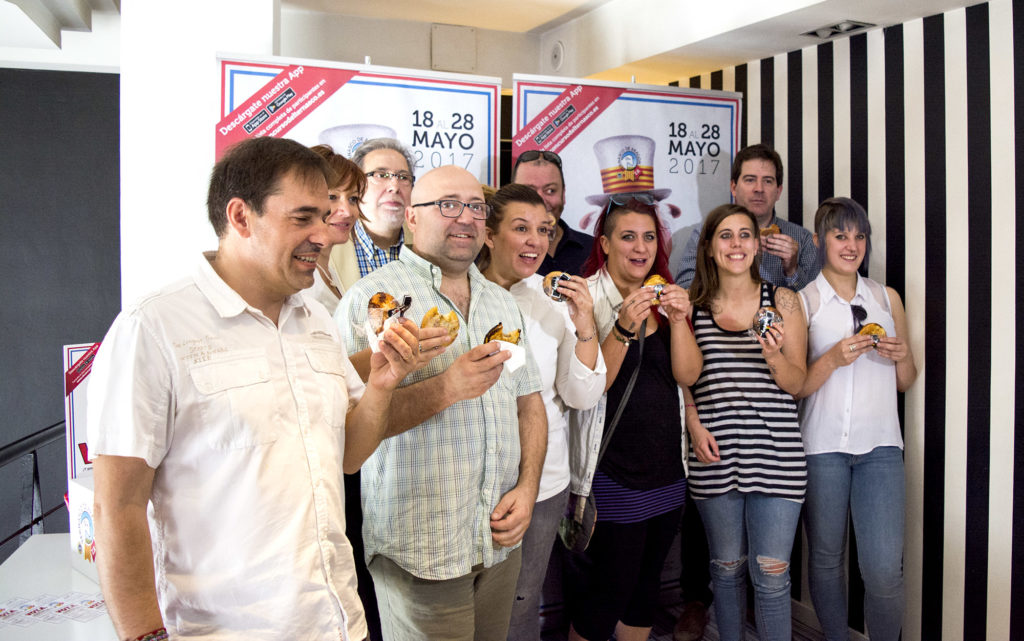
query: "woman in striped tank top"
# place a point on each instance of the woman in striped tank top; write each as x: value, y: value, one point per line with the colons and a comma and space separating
x: 748, y: 472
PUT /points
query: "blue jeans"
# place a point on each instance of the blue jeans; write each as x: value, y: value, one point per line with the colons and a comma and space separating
x: 870, y: 488
x: 755, y: 531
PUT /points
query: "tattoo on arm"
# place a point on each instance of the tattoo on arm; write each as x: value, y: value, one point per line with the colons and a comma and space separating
x: 786, y: 299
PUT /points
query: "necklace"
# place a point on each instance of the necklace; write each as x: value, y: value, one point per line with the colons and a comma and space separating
x: 330, y: 281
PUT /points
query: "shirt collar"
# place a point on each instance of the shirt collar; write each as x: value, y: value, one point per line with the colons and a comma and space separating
x: 827, y: 293
x: 225, y: 300
x: 431, y: 272
x: 367, y: 242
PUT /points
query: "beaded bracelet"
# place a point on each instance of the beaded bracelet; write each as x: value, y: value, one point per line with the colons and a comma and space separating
x: 587, y: 339
x: 160, y: 634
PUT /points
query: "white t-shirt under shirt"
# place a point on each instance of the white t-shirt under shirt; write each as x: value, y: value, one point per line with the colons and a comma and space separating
x: 244, y: 423
x: 567, y: 382
x: 855, y: 410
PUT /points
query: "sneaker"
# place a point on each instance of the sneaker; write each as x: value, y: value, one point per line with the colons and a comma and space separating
x: 692, y: 620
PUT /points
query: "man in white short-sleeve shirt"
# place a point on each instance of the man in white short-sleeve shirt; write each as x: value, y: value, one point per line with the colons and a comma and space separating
x: 223, y: 410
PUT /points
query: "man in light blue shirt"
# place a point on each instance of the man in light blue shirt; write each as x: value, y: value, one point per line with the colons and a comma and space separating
x: 446, y: 502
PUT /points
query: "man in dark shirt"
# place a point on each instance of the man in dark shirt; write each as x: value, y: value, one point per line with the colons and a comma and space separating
x: 569, y: 248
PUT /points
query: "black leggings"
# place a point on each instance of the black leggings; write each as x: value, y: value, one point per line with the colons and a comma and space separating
x: 619, y: 576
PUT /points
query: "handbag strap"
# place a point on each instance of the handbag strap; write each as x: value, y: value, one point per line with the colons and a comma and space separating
x: 606, y: 438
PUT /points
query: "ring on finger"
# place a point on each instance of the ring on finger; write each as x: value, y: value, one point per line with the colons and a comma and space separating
x: 852, y: 348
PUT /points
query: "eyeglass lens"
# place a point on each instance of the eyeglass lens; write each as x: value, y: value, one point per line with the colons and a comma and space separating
x: 859, y: 316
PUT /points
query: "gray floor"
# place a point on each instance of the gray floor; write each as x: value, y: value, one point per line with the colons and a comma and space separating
x: 666, y: 620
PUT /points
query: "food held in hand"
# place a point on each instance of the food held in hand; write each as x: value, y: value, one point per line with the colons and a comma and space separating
x: 551, y: 285
x: 657, y: 283
x: 765, y: 318
x: 380, y: 309
x: 770, y: 229
x: 449, y: 321
x: 874, y: 330
x: 497, y: 333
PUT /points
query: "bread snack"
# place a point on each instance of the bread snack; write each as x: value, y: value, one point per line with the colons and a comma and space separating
x: 770, y: 229
x: 551, y: 285
x: 497, y: 333
x: 764, y: 318
x: 657, y: 283
x: 449, y: 321
x: 874, y: 330
x: 380, y: 308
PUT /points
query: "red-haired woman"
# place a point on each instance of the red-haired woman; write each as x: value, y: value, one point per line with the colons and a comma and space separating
x: 639, y: 485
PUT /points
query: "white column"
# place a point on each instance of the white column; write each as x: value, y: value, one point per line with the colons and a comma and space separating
x: 170, y: 103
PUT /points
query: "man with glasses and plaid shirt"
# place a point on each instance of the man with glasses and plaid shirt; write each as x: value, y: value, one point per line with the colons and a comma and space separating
x: 446, y: 503
x: 378, y: 236
x: 542, y: 170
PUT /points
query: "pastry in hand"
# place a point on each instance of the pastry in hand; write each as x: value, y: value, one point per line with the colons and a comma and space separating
x: 765, y: 318
x: 770, y: 229
x: 380, y: 308
x: 551, y: 285
x: 497, y: 333
x: 657, y: 283
x: 449, y: 321
x: 874, y: 330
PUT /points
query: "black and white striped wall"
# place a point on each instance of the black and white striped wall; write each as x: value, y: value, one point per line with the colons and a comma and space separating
x: 919, y: 123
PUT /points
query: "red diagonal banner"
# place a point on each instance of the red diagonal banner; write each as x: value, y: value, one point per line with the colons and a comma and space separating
x: 561, y: 121
x: 280, y: 104
x: 81, y: 368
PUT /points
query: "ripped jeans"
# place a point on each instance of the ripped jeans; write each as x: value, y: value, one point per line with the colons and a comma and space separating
x: 755, y: 531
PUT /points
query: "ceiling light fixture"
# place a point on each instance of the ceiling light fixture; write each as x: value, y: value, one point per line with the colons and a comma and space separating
x: 842, y: 28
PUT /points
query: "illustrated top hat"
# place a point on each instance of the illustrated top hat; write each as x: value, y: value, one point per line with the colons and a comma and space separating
x: 345, y: 139
x: 627, y: 166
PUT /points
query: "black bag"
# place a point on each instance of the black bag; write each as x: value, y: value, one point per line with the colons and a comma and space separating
x: 577, y: 525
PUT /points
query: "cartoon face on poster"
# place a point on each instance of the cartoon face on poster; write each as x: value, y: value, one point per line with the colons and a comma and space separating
x: 443, y: 118
x: 614, y: 139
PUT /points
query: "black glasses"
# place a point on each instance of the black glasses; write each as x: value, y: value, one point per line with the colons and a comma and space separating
x: 859, y: 316
x: 380, y: 176
x: 534, y: 154
x: 453, y: 208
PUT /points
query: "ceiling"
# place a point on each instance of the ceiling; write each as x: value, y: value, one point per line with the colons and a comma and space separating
x: 654, y: 40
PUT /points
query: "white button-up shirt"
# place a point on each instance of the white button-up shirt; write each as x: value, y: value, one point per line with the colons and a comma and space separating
x: 854, y: 411
x: 566, y: 381
x: 243, y: 422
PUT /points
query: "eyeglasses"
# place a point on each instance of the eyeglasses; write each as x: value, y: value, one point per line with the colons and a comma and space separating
x: 380, y: 177
x: 859, y: 316
x: 453, y: 208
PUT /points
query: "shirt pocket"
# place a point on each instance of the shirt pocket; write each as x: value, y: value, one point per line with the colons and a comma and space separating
x: 237, y: 400
x: 329, y: 369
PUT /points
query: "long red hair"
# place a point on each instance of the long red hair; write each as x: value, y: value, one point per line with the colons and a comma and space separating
x: 598, y: 258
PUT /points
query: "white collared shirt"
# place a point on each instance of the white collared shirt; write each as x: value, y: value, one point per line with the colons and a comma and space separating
x: 566, y: 381
x: 854, y: 411
x: 244, y: 423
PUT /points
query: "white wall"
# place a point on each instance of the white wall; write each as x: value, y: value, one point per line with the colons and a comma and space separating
x: 170, y: 104
x: 399, y: 43
x: 96, y: 50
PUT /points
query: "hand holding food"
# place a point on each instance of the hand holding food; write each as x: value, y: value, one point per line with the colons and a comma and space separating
x: 656, y: 283
x: 551, y: 283
x: 449, y: 321
x: 497, y: 333
x: 874, y: 330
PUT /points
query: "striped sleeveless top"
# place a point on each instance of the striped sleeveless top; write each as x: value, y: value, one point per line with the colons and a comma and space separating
x: 752, y: 419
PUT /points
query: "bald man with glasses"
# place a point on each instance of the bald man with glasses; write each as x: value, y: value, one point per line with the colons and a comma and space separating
x: 446, y: 503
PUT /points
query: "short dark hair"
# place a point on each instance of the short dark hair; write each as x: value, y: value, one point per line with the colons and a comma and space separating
x: 757, y: 152
x: 376, y: 144
x: 252, y: 170
x: 844, y: 214
x: 499, y: 202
